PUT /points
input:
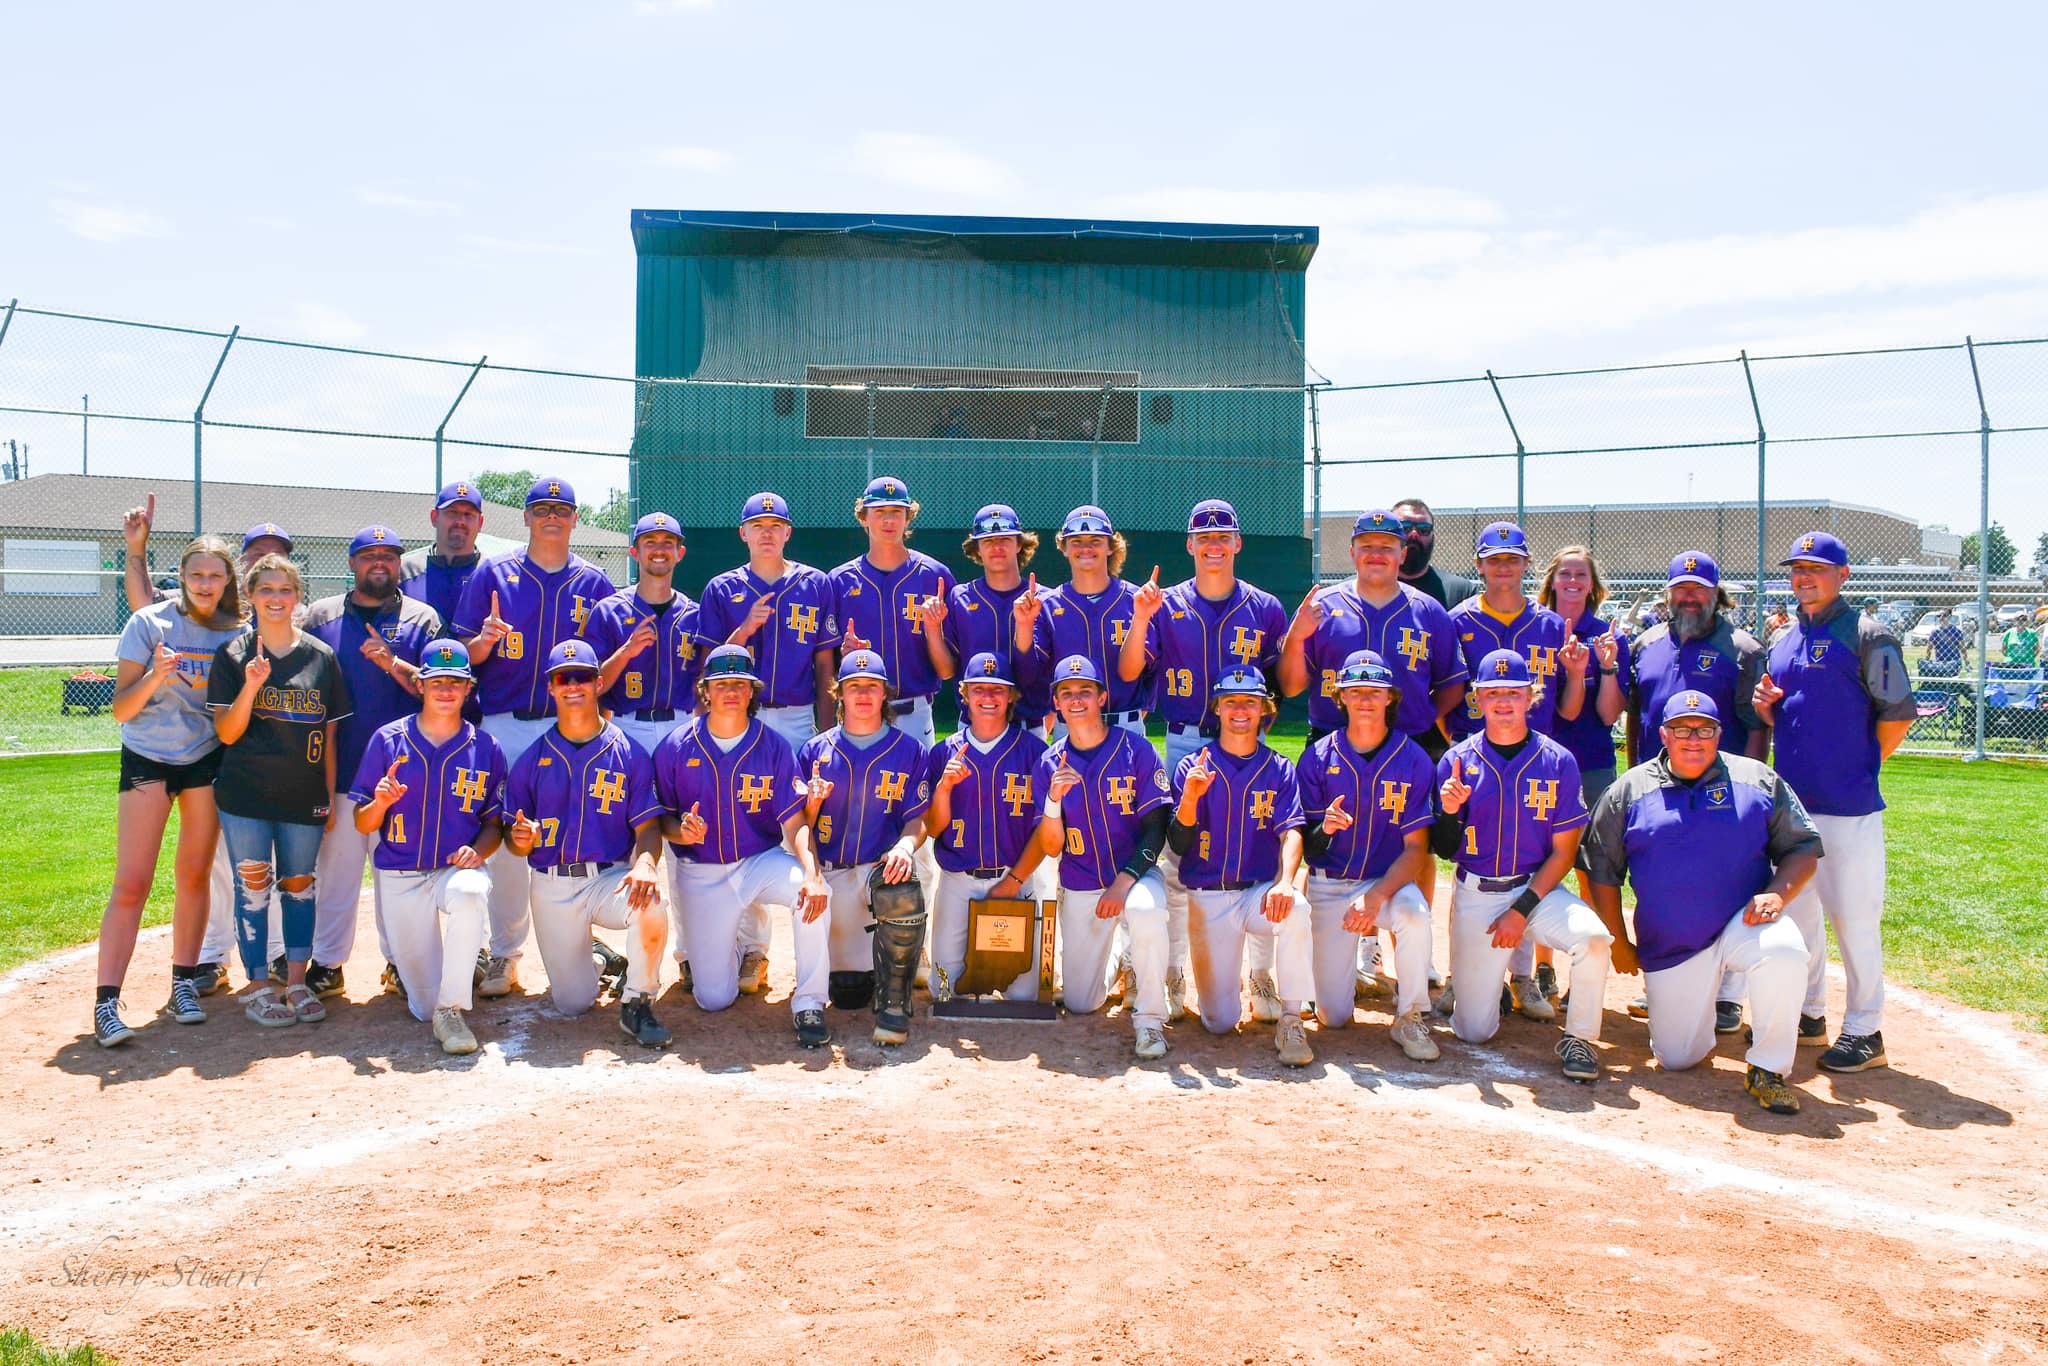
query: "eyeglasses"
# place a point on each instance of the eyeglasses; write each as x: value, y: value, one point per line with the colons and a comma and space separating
x: 1693, y: 732
x: 552, y: 510
x: 575, y: 676
x: 1425, y: 527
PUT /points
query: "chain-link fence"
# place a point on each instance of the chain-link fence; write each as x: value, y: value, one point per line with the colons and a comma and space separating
x: 1906, y: 454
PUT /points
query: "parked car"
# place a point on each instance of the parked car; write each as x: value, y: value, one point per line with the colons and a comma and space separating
x: 2010, y: 615
x: 1924, y: 628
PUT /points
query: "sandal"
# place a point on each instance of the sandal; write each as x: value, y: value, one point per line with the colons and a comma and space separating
x: 305, y: 1004
x: 263, y: 1007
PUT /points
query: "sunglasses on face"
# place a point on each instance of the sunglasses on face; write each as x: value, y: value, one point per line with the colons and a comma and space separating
x: 575, y: 676
x: 1425, y: 528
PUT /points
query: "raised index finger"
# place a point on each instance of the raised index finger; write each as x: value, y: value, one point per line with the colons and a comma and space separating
x: 494, y: 604
x: 150, y: 513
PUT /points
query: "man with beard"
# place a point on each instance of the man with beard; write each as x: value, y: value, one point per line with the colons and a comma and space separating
x: 436, y: 576
x: 1418, y: 543
x: 376, y: 633
x: 1695, y: 648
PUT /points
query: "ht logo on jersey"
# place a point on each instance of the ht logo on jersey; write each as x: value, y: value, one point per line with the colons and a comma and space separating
x: 753, y: 790
x: 468, y: 785
x: 579, y: 612
x: 1119, y: 632
x: 1262, y: 806
x: 1393, y: 799
x: 889, y: 788
x: 1123, y: 792
x: 1542, y: 660
x: 910, y: 601
x: 1414, y: 647
x: 1542, y: 796
x: 803, y: 620
x: 1016, y: 792
x: 609, y: 787
x: 1246, y: 644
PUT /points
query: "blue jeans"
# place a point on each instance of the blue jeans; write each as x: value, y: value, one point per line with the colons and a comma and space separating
x: 285, y: 852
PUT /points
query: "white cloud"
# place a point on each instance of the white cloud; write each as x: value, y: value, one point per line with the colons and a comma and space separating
x: 106, y: 222
x: 705, y: 159
x: 932, y: 163
x: 323, y: 323
x: 393, y: 199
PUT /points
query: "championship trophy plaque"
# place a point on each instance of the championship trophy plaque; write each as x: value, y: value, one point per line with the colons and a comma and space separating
x: 1000, y: 935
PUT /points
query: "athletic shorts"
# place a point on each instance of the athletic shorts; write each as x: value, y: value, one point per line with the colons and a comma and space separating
x: 139, y: 770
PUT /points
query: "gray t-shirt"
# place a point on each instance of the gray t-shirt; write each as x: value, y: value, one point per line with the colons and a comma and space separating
x: 174, y: 726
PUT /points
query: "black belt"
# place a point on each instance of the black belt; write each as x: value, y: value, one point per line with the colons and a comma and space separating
x: 990, y: 874
x: 533, y: 716
x: 904, y: 706
x: 1182, y: 728
x: 1492, y: 884
x: 1117, y: 718
x: 654, y: 714
x: 1228, y: 887
x: 585, y: 869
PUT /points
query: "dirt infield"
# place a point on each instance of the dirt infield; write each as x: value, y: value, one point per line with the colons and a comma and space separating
x: 345, y: 1193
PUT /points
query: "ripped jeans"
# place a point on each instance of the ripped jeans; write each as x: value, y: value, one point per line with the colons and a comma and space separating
x: 260, y: 853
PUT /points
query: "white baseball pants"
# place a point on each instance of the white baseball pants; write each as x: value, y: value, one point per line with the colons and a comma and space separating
x: 1562, y: 921
x: 338, y: 887
x: 1848, y: 890
x: 1085, y: 944
x: 949, y: 923
x: 437, y: 962
x: 564, y: 909
x: 709, y: 900
x: 511, y: 879
x: 1218, y: 925
x: 1406, y: 917
x: 1772, y: 957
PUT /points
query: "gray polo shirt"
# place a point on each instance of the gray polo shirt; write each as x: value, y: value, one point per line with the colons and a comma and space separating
x: 174, y: 726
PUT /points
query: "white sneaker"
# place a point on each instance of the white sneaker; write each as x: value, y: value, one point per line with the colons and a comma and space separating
x: 501, y: 978
x: 1413, y: 1036
x: 452, y: 1031
x: 1150, y: 1042
x: 1530, y: 1000
x: 1290, y: 1040
x: 1265, y: 998
x: 753, y: 972
x: 1367, y: 986
x: 1176, y: 994
x: 1446, y: 1000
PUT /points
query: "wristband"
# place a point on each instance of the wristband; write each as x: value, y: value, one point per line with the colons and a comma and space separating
x: 1526, y: 903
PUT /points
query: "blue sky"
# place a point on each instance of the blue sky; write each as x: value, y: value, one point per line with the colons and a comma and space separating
x: 1516, y: 188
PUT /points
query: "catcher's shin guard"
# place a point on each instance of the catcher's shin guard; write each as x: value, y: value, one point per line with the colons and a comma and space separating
x: 850, y: 990
x: 900, y: 916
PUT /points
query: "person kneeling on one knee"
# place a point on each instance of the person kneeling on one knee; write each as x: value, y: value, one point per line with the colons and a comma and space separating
x: 1237, y: 828
x: 1511, y: 817
x: 1715, y: 845
x: 592, y: 840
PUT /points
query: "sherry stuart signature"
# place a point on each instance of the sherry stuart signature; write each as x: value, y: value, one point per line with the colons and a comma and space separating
x: 98, y: 1270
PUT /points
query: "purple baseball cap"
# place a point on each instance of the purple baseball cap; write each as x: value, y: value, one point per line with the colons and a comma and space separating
x: 270, y: 529
x: 885, y: 491
x: 772, y: 505
x: 1076, y: 668
x: 1817, y: 547
x: 550, y: 490
x: 461, y: 491
x: 1502, y: 538
x: 657, y: 521
x: 986, y: 667
x: 862, y: 664
x: 1501, y: 669
x: 1694, y: 566
x: 1087, y: 520
x: 997, y: 519
x: 572, y: 654
x: 375, y: 538
x: 1212, y: 514
x: 1377, y: 522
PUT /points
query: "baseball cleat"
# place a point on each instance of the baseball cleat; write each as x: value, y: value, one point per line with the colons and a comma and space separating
x: 754, y: 972
x: 278, y: 969
x: 1413, y: 1037
x: 811, y: 1030
x: 1530, y: 998
x: 324, y: 981
x: 1507, y: 1000
x: 1149, y: 1042
x: 1813, y: 1031
x: 1771, y: 1092
x: 1367, y: 985
x: 212, y: 977
x: 1727, y: 1017
x: 390, y: 982
x: 1546, y: 981
x: 1176, y: 994
x: 636, y: 1017
x: 689, y: 980
x: 453, y: 1031
x: 1581, y: 1063
x: 1855, y: 1053
x: 184, y: 1004
x: 1446, y: 1000
x: 1290, y: 1041
x: 611, y: 965
x: 1639, y: 1008
x: 1265, y: 998
x: 501, y: 977
x: 108, y: 1029
x: 483, y: 963
x: 891, y: 1026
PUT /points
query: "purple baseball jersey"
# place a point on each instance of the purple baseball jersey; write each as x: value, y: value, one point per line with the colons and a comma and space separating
x: 451, y: 790
x: 543, y: 610
x: 1121, y: 779
x: 1516, y: 805
x: 1389, y: 794
x: 1190, y: 641
x: 438, y: 582
x: 663, y: 676
x: 744, y: 794
x: 587, y: 798
x: 1536, y: 633
x: 978, y: 620
x: 881, y: 608
x: 1239, y: 820
x: 995, y: 807
x: 406, y: 626
x: 877, y: 792
x: 806, y: 620
x: 1724, y: 664
x: 1842, y: 674
x: 1412, y: 634
x: 1095, y: 625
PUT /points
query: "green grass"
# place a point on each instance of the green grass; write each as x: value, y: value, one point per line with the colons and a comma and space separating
x: 1965, y: 915
x: 30, y: 720
x: 18, y: 1348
